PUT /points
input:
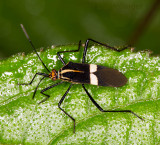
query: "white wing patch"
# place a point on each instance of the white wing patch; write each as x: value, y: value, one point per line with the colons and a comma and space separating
x: 93, y: 68
x: 93, y: 79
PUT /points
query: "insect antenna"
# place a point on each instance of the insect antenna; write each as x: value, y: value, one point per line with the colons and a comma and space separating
x: 27, y: 36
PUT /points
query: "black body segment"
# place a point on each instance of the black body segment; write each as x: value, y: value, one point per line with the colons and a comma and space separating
x: 92, y: 74
x: 75, y: 73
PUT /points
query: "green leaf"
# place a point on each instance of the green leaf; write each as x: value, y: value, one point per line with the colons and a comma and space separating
x: 23, y: 121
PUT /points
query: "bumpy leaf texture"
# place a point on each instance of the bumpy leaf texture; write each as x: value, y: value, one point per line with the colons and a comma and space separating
x: 23, y: 121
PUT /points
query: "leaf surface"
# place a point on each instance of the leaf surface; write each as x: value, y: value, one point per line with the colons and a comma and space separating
x: 23, y: 121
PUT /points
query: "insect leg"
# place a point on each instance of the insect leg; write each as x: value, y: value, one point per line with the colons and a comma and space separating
x: 60, y: 102
x: 42, y: 74
x: 86, y: 46
x: 99, y: 107
x: 37, y: 88
x: 61, y: 59
x: 47, y: 96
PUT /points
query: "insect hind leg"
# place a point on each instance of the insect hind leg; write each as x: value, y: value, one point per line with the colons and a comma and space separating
x: 103, y: 44
x: 60, y: 57
x: 101, y: 109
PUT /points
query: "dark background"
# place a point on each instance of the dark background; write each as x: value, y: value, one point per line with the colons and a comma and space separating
x: 60, y: 22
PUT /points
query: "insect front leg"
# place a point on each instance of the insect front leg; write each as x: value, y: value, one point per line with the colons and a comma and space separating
x: 110, y: 47
x: 100, y: 108
x: 61, y: 59
x: 47, y: 96
x: 37, y: 88
x: 42, y: 74
x: 59, y: 105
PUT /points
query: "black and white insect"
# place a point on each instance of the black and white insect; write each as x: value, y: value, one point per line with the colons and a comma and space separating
x: 81, y: 73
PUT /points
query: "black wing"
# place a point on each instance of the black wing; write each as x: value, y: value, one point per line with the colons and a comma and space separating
x: 110, y: 77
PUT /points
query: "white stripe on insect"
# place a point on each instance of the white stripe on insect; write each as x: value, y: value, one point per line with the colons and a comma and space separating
x: 93, y: 79
x: 93, y: 68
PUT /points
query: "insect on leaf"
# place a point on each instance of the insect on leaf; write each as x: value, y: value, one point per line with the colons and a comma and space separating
x: 23, y: 121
